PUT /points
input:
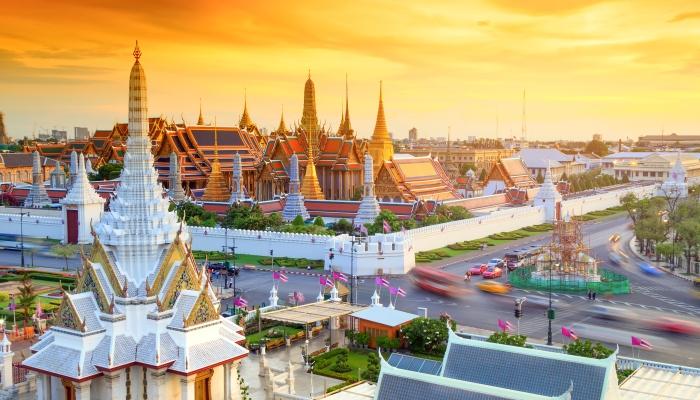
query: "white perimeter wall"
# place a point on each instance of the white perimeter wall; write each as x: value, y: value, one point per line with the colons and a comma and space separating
x: 33, y: 226
x: 392, y: 253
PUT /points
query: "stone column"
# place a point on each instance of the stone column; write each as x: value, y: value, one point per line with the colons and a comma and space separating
x: 82, y: 390
x: 234, y: 386
x: 6, y: 359
x: 113, y: 384
x: 187, y: 387
x: 227, y: 381
x: 42, y: 390
x: 156, y: 384
x: 290, y: 377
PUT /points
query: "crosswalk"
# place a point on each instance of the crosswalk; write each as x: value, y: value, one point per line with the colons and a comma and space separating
x: 685, y: 308
x: 536, y: 319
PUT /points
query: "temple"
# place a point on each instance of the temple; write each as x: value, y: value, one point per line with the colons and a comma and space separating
x: 381, y: 147
x: 294, y: 205
x: 676, y: 185
x: 38, y: 197
x: 217, y: 188
x: 310, y: 187
x: 143, y: 321
x: 369, y: 207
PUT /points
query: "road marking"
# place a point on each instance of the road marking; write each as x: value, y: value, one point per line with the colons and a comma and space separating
x: 626, y: 303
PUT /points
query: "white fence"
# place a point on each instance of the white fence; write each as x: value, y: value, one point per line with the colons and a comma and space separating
x: 33, y: 226
x: 601, y: 201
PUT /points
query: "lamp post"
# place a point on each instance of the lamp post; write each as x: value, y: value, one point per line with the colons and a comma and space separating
x: 21, y: 233
x: 234, y: 273
x: 550, y: 310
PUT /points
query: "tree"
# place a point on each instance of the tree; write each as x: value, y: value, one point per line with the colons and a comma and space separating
x: 298, y: 221
x: 689, y: 234
x: 597, y: 147
x: 196, y: 215
x: 378, y: 225
x: 27, y: 297
x: 539, y: 178
x: 319, y: 222
x: 64, y: 250
x: 425, y: 335
x: 466, y: 167
x: 240, y: 216
x: 505, y: 338
x: 585, y: 348
x: 564, y: 177
x: 343, y: 226
x: 107, y: 171
x: 482, y: 175
x: 341, y: 362
x: 625, y: 178
x: 373, y: 367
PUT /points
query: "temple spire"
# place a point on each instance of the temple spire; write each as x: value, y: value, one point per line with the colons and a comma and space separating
x: 175, y: 191
x: 294, y: 205
x: 200, y: 120
x: 310, y: 187
x: 381, y: 146
x: 246, y: 121
x: 217, y: 188
x: 137, y: 51
x: 282, y: 128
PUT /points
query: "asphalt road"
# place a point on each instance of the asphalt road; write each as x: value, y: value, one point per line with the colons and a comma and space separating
x: 652, y: 299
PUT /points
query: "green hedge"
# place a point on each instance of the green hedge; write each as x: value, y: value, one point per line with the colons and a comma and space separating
x: 340, y: 386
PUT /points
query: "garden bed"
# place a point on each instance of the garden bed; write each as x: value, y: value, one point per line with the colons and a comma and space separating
x: 274, y: 335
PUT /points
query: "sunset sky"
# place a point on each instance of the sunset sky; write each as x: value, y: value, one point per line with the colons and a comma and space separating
x: 619, y: 68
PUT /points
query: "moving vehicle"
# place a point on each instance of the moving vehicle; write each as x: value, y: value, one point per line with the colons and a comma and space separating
x: 493, y: 287
x: 615, y: 259
x: 437, y: 281
x: 610, y: 313
x: 477, y: 269
x: 650, y: 269
x: 675, y: 325
x: 492, y: 273
x: 495, y: 262
x: 614, y: 238
x: 540, y: 300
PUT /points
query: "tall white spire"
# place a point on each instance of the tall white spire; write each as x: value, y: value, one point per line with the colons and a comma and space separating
x: 675, y: 185
x: 548, y: 196
x: 369, y: 207
x: 236, y: 178
x: 175, y: 190
x: 37, y: 196
x: 294, y: 204
x: 73, y: 167
x: 138, y: 226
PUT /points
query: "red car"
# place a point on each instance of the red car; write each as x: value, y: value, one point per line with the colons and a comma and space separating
x: 678, y: 326
x: 492, y: 272
x: 478, y: 269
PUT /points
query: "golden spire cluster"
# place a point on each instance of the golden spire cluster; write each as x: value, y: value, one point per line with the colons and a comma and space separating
x: 217, y: 187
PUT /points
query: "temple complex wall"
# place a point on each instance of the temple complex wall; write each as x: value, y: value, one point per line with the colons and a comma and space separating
x: 603, y: 200
x: 33, y: 226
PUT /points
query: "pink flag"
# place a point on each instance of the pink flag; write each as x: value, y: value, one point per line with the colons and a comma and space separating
x: 568, y: 332
x: 282, y: 277
x: 275, y: 276
x: 393, y: 290
x: 378, y: 281
x: 339, y: 276
x: 639, y: 342
x: 363, y: 229
x: 328, y: 281
x: 386, y: 226
x: 400, y: 292
x: 502, y: 325
x: 241, y: 302
x: 322, y: 280
x: 509, y: 326
x: 385, y: 282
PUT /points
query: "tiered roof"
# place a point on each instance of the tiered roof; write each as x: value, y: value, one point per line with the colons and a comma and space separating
x: 512, y: 172
x: 414, y: 178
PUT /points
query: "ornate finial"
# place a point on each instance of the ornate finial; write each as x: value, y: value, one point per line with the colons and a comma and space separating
x: 309, y: 73
x: 148, y: 287
x: 216, y: 141
x: 126, y: 287
x: 200, y: 120
x: 159, y: 304
x: 137, y: 51
x: 111, y: 305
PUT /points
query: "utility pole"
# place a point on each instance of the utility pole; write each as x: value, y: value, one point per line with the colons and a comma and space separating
x: 21, y: 233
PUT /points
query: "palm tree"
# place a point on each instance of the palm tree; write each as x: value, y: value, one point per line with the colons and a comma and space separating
x: 65, y: 250
x: 27, y: 297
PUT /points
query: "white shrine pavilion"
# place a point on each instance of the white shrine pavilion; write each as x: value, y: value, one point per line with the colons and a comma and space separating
x: 143, y: 322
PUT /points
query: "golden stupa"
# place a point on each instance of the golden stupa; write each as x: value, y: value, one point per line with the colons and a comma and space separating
x: 381, y: 147
x: 217, y: 188
x: 310, y: 187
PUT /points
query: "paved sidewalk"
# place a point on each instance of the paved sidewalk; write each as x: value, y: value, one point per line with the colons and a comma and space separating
x: 659, y: 264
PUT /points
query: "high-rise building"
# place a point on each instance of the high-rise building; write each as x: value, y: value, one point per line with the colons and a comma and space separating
x: 413, y: 134
x: 81, y: 133
x: 59, y: 135
x: 4, y: 138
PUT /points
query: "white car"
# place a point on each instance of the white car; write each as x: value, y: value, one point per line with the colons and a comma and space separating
x: 495, y: 262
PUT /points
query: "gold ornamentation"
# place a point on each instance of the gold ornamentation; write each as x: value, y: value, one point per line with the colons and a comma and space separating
x: 89, y: 281
x: 67, y: 315
x: 202, y: 311
x: 185, y: 278
x: 99, y: 256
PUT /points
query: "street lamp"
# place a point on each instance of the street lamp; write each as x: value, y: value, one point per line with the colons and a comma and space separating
x: 550, y: 310
x: 21, y: 233
x: 425, y: 311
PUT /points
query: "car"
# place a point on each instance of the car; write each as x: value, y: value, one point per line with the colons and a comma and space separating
x: 540, y: 301
x: 513, y: 265
x: 650, y: 269
x: 493, y: 287
x: 492, y: 272
x: 615, y: 259
x: 615, y: 237
x: 495, y: 262
x: 679, y: 326
x: 611, y: 313
x: 216, y: 266
x: 477, y: 269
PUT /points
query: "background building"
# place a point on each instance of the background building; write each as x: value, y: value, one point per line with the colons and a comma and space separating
x: 650, y: 166
x: 59, y: 135
x: 537, y: 160
x: 413, y: 134
x: 81, y: 133
x: 673, y: 140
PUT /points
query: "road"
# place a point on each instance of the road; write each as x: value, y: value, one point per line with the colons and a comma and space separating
x: 652, y: 298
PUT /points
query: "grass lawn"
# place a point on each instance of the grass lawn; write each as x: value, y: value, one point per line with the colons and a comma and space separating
x: 254, y: 338
x: 357, y: 360
x: 243, y: 259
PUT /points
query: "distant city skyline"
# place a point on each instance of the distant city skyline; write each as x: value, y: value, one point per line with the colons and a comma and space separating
x: 617, y: 68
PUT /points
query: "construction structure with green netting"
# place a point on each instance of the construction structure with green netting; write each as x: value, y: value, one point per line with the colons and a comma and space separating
x: 565, y: 265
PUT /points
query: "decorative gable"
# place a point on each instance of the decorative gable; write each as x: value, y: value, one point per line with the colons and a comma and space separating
x: 202, y: 311
x: 90, y: 282
x: 184, y: 278
x: 176, y: 252
x: 98, y: 255
x: 67, y: 316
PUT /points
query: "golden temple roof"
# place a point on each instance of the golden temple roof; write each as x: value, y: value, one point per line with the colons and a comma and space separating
x: 246, y: 121
x: 310, y: 188
x: 217, y: 187
x: 282, y: 128
x: 380, y: 130
x: 200, y: 120
x: 345, y: 125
